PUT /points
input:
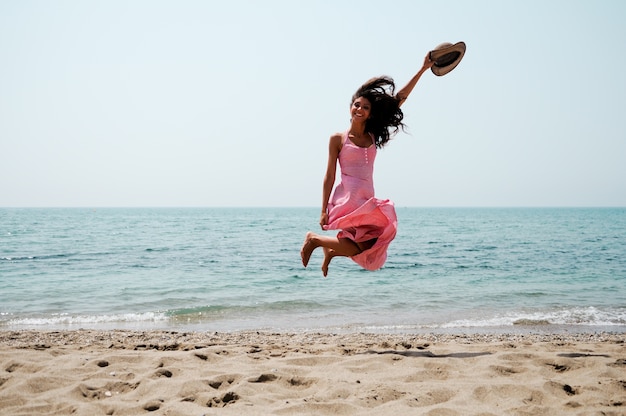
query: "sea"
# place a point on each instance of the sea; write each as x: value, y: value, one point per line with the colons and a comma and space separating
x: 451, y: 270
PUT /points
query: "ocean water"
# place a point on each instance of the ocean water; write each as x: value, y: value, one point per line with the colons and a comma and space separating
x: 220, y: 269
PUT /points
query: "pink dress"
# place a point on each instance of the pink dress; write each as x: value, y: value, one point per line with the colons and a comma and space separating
x: 355, y: 211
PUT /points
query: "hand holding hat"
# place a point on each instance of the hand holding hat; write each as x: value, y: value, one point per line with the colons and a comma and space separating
x: 446, y: 57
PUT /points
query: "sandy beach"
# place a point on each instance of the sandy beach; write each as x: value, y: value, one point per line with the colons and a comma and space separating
x: 87, y: 372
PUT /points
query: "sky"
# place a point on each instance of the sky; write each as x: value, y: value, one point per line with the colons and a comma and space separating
x: 148, y: 103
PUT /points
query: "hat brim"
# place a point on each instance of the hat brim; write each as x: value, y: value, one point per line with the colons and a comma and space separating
x: 447, y: 58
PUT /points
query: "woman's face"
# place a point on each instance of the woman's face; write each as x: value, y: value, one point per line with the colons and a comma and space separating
x: 360, y: 109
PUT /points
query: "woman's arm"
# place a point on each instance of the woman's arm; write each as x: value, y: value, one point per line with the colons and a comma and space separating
x: 334, y: 146
x: 404, y: 92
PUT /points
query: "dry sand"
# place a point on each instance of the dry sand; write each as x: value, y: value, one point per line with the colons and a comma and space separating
x: 169, y: 373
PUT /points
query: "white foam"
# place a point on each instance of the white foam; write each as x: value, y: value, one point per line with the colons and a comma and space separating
x: 589, y: 316
x: 76, y: 320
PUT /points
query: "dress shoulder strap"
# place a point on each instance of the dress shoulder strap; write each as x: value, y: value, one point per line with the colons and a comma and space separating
x: 344, y: 138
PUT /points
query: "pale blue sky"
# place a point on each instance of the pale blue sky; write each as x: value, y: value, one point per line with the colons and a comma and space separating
x: 231, y: 103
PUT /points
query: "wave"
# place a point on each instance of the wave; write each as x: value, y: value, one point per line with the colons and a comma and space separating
x: 295, y: 315
x: 257, y: 309
x: 39, y: 257
x: 56, y: 320
x: 263, y: 312
x: 589, y: 316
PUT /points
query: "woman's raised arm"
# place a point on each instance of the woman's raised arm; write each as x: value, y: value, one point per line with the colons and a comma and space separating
x: 404, y: 92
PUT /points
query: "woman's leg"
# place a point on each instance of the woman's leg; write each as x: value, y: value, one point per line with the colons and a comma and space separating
x: 333, y: 247
x: 328, y: 256
x: 340, y: 246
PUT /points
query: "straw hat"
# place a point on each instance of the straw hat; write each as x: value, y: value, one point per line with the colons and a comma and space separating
x: 446, y: 56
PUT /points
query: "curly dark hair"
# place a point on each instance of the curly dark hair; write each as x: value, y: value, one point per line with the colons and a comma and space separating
x: 385, y: 116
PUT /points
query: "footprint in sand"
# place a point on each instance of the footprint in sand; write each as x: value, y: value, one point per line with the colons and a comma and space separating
x: 225, y: 400
x: 506, y: 371
x: 153, y: 405
x: 91, y: 392
x: 430, y: 398
x: 290, y: 382
x: 225, y: 380
x: 197, y: 391
x: 263, y: 378
x: 162, y: 372
x: 383, y: 395
x: 559, y: 389
x: 12, y: 366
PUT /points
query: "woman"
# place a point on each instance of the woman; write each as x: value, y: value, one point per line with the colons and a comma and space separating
x: 367, y: 225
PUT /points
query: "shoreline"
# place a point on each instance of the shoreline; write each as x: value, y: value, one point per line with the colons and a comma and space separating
x: 124, y: 338
x: 527, y: 327
x: 127, y: 372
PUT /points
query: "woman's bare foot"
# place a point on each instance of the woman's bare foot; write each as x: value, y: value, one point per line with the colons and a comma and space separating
x: 328, y: 256
x: 307, y: 248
